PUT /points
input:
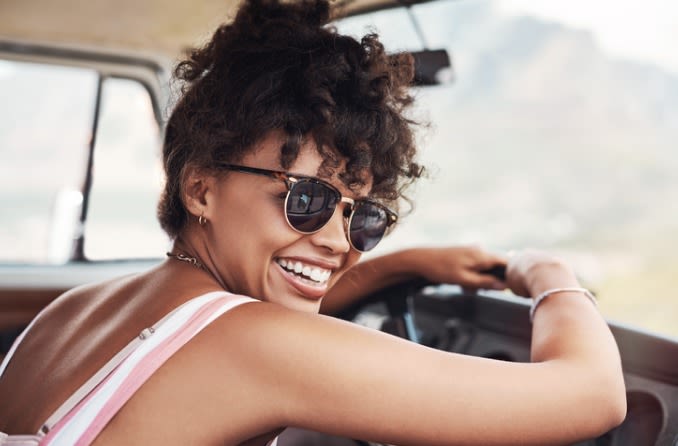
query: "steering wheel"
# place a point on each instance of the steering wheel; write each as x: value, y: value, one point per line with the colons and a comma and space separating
x: 398, y: 300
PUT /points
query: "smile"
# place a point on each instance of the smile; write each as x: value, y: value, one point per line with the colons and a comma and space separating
x: 317, y: 275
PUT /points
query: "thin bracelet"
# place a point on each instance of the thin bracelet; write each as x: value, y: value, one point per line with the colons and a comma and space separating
x: 547, y: 293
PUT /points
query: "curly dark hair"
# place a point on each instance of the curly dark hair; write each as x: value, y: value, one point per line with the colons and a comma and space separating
x: 277, y: 66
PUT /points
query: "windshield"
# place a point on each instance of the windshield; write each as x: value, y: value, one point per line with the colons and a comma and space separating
x: 557, y: 130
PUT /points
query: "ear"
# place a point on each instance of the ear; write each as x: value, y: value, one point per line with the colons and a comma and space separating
x: 196, y: 183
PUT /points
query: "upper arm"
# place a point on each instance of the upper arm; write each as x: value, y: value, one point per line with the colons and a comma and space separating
x: 327, y: 375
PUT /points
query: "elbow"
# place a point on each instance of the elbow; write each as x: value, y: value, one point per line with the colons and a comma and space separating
x: 617, y: 408
x: 604, y: 414
x: 616, y: 397
x: 610, y: 402
x: 615, y: 411
x: 598, y: 399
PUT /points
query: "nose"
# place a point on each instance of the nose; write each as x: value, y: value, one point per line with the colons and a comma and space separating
x: 333, y: 235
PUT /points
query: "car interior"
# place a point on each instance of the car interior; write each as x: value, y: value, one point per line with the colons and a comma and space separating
x: 76, y: 222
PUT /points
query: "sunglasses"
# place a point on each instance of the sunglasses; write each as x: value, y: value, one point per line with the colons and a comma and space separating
x: 310, y: 204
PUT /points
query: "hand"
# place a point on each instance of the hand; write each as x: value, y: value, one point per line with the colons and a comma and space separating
x: 531, y: 272
x: 462, y: 265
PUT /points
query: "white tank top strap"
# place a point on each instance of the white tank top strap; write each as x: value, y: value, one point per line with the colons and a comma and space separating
x: 147, y: 340
x: 103, y: 372
x: 19, y: 440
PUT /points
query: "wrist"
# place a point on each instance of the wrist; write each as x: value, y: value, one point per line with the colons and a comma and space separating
x: 548, y: 275
x: 548, y: 293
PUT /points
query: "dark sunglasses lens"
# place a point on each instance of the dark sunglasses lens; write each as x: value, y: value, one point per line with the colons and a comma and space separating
x: 368, y: 225
x: 310, y: 205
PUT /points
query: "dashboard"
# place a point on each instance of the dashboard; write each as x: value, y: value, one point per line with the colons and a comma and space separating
x: 496, y: 325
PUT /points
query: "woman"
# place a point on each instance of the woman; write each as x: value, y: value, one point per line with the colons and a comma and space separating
x: 283, y: 159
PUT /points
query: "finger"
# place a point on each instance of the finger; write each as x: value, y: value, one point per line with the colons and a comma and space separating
x: 516, y: 283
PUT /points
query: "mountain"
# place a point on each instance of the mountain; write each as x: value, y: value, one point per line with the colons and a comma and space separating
x: 545, y: 132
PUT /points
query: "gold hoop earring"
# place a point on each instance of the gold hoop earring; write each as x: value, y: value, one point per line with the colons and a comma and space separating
x: 202, y: 220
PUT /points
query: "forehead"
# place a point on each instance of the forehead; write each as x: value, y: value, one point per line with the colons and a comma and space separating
x: 266, y: 155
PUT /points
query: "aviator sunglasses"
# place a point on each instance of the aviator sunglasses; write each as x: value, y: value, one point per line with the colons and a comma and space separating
x: 310, y: 204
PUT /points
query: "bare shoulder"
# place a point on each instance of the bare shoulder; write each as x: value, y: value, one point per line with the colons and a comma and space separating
x: 261, y: 331
x: 228, y: 361
x: 282, y: 367
x: 76, y: 297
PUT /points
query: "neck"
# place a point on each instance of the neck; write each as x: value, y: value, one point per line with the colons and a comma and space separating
x: 190, y: 253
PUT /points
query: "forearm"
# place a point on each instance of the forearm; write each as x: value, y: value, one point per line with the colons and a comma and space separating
x: 568, y: 325
x: 369, y: 276
x: 569, y: 331
x: 566, y: 322
x: 464, y: 265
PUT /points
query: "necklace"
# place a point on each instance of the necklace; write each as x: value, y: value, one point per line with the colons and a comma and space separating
x: 184, y: 258
x: 195, y: 262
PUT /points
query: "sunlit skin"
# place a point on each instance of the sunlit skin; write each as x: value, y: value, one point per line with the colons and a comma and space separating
x: 232, y: 201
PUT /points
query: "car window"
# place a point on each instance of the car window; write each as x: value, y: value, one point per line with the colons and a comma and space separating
x: 127, y: 177
x: 558, y: 132
x: 49, y: 117
x: 45, y: 125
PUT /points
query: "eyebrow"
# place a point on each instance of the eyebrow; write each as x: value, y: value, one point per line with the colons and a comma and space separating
x: 277, y: 174
x: 319, y: 178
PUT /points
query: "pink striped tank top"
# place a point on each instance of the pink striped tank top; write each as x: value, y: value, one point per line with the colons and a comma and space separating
x: 86, y: 413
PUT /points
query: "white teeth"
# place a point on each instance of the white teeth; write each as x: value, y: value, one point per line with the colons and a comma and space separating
x: 318, y: 275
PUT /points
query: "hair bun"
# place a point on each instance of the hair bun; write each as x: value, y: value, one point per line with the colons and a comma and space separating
x: 310, y: 12
x: 257, y: 18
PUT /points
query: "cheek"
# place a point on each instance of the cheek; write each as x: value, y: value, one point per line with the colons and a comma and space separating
x: 266, y: 229
x: 272, y: 227
x: 253, y: 227
x: 351, y: 259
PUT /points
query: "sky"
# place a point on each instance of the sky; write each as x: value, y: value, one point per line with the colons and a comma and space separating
x: 644, y: 30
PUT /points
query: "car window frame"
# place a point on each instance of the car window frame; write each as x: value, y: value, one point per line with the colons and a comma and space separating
x: 150, y: 71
